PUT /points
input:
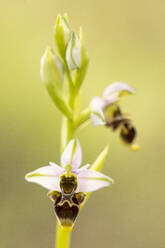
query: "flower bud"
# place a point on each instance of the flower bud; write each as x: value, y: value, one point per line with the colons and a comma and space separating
x: 52, y: 70
x: 52, y: 75
x: 81, y: 72
x: 62, y: 33
x: 73, y: 52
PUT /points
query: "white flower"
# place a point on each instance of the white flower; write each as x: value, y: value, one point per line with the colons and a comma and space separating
x: 111, y: 96
x: 87, y: 180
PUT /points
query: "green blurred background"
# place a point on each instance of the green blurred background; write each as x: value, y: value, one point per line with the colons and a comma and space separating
x: 126, y: 41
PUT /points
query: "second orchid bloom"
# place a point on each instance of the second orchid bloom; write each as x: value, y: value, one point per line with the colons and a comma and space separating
x: 106, y: 111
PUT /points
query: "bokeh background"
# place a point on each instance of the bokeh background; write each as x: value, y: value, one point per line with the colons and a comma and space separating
x: 126, y: 41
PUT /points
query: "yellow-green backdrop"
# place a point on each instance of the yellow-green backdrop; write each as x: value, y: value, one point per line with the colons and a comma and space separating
x: 126, y: 42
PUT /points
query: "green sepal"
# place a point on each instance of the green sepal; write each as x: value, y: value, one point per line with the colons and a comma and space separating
x: 98, y: 163
x: 97, y: 166
x: 81, y: 72
x: 61, y: 34
x: 52, y: 76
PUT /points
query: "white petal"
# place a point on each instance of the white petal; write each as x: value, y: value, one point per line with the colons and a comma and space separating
x: 76, y: 52
x: 110, y: 99
x: 78, y: 171
x: 59, y: 170
x: 97, y: 118
x: 47, y: 176
x: 117, y: 87
x: 73, y: 52
x: 69, y: 60
x: 72, y: 154
x: 89, y: 180
x: 97, y: 115
x: 97, y: 104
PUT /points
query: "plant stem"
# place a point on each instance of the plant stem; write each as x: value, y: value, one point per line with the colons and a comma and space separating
x: 62, y: 237
x: 67, y: 132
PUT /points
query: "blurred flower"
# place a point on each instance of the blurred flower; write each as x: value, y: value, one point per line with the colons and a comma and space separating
x: 106, y: 111
x: 69, y: 178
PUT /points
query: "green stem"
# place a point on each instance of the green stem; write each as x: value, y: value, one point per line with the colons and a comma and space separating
x: 62, y: 237
x: 67, y: 132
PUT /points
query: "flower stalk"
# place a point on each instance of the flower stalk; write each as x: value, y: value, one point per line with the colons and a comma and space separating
x: 69, y: 184
x: 63, y: 237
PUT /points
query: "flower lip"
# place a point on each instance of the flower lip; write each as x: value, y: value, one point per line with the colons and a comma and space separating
x: 115, y: 118
x: 67, y: 207
x: 66, y: 214
x: 128, y: 133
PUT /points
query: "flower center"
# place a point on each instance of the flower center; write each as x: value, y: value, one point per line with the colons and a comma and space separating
x: 68, y: 184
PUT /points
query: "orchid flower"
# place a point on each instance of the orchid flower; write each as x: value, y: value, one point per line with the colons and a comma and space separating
x: 87, y: 180
x: 68, y: 184
x: 106, y: 111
